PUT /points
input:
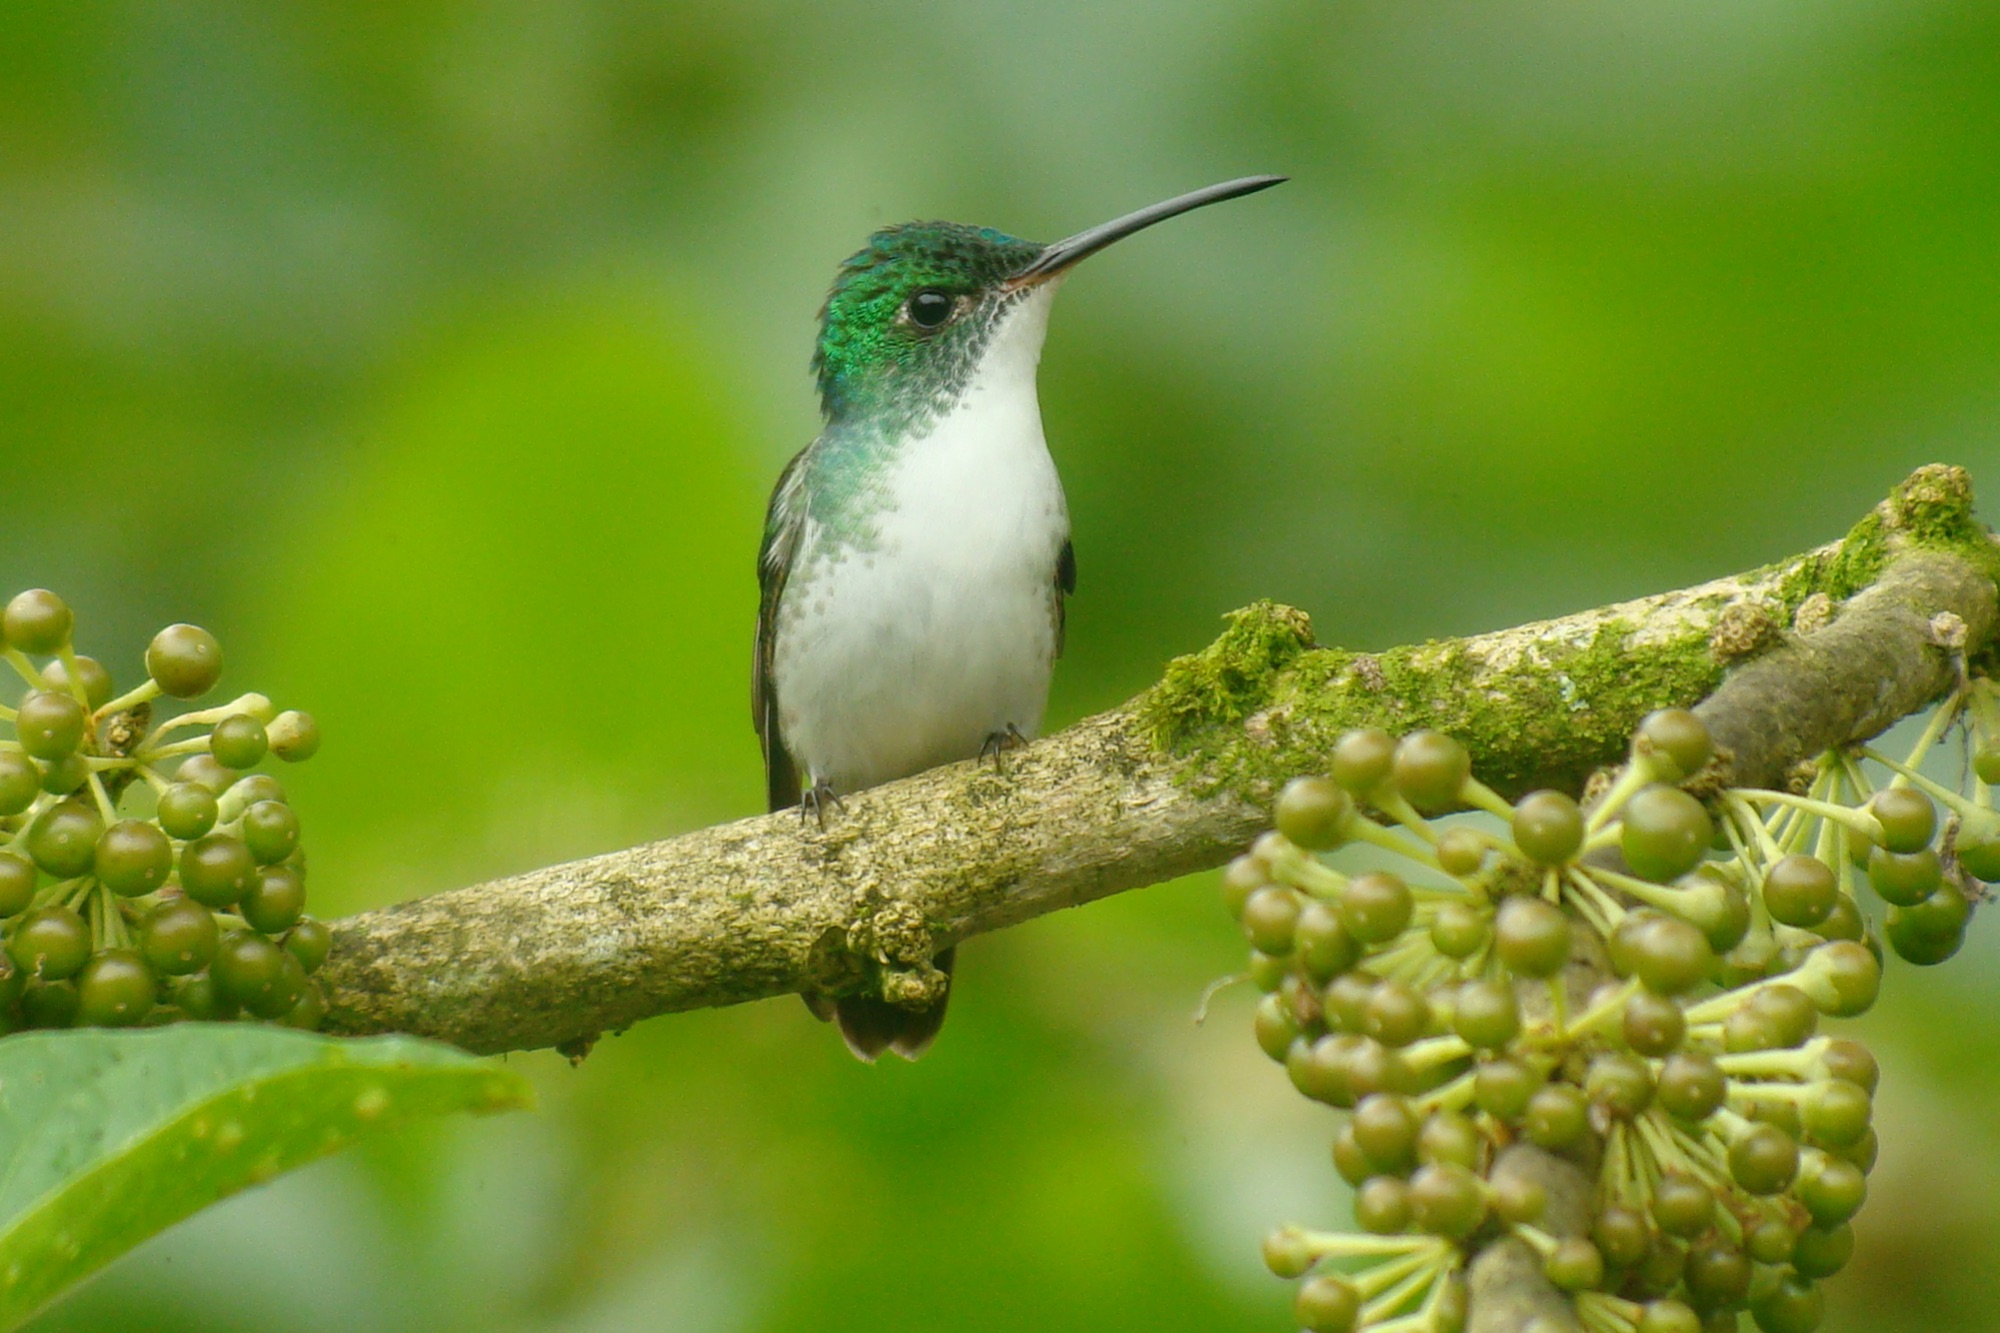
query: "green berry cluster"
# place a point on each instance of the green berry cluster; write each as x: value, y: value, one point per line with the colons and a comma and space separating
x: 1442, y: 998
x: 147, y: 874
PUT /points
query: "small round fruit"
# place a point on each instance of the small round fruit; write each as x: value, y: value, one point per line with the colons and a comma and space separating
x: 1980, y: 858
x: 1240, y: 878
x: 187, y: 810
x: 239, y: 741
x: 216, y: 870
x: 204, y: 771
x: 1907, y: 817
x: 1668, y: 1317
x: 1362, y: 760
x: 1669, y: 955
x: 1929, y: 932
x: 1382, y: 1205
x: 276, y: 898
x: 65, y: 776
x: 1288, y: 1254
x: 95, y: 679
x: 37, y: 621
x: 1271, y: 918
x: 1832, y: 1190
x: 20, y: 782
x: 1557, y: 1116
x: 200, y: 999
x: 1800, y: 891
x: 1718, y: 1274
x: 309, y: 1011
x: 185, y: 661
x: 271, y: 831
x: 1385, y: 1127
x: 1449, y: 1137
x: 1430, y: 770
x: 178, y: 937
x: 1575, y: 1265
x: 17, y: 885
x: 1986, y: 763
x: 1324, y: 947
x: 1312, y: 812
x: 1376, y: 907
x: 50, y: 724
x: 1793, y: 1305
x: 1621, y: 1234
x: 1823, y: 1251
x: 1503, y: 1088
x: 294, y: 736
x: 1691, y: 1086
x: 1459, y: 929
x: 1397, y: 1013
x: 1622, y: 1085
x: 1548, y: 827
x: 1486, y: 1014
x: 1654, y: 1025
x: 1675, y: 741
x: 308, y: 941
x: 114, y: 989
x: 1447, y: 1200
x: 250, y: 971
x: 49, y: 1004
x: 1460, y: 852
x: 1764, y: 1159
x: 1327, y: 1304
x: 63, y: 839
x: 1683, y: 1206
x: 1665, y: 833
x: 1853, y: 976
x: 133, y: 858
x: 1531, y: 937
x: 1904, y: 879
x: 50, y: 943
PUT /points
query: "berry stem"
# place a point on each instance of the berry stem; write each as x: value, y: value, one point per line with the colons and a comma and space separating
x: 1482, y: 797
x: 25, y: 669
x: 103, y: 799
x: 67, y: 655
x: 1635, y: 775
x: 143, y: 693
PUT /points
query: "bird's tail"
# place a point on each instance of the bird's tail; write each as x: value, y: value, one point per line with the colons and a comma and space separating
x: 871, y: 1025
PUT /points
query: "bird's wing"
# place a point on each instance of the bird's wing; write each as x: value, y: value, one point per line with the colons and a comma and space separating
x: 1065, y: 585
x: 783, y: 524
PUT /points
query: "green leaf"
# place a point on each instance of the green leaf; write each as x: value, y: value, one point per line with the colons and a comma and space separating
x: 109, y: 1137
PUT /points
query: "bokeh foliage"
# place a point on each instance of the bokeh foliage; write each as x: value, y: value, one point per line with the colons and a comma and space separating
x: 438, y: 356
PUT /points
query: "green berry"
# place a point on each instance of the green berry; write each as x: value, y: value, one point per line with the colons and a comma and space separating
x: 1548, y: 827
x: 1691, y: 1086
x: 1313, y: 812
x: 1852, y: 977
x: 50, y: 724
x: 1397, y: 1014
x: 1288, y: 1254
x: 1273, y: 1024
x: 65, y: 776
x: 1557, y: 1116
x: 1503, y: 1089
x: 1621, y: 1235
x: 1668, y: 1317
x: 1325, y: 949
x: 309, y: 940
x: 255, y: 787
x: 1986, y: 763
x: 216, y: 870
x: 1908, y: 819
x: 201, y: 999
x: 49, y: 1004
x: 1904, y: 879
x: 1683, y: 1206
x: 1769, y: 1242
x: 1382, y: 1205
x: 294, y: 736
x: 1674, y: 741
x: 1622, y: 1085
x: 1347, y: 999
x: 205, y: 771
x: 1447, y: 1200
x: 1267, y: 971
x: 1800, y: 891
x: 1348, y: 1159
x: 96, y: 680
x: 20, y: 782
x: 1668, y: 954
x: 1575, y: 1265
x: 1980, y: 859
x: 1447, y: 1136
x: 1376, y: 907
x: 1718, y: 1274
x: 37, y: 621
x: 50, y: 943
x: 1787, y: 1015
x: 271, y: 831
x: 1847, y: 1059
x: 114, y: 989
x: 1461, y: 852
x: 1665, y: 833
x: 1531, y: 937
x: 1318, y: 1069
x: 309, y: 1011
x: 1832, y: 1190
x: 1270, y: 918
x: 1764, y: 1159
x: 1518, y: 1198
x: 1327, y: 1304
x: 238, y: 741
x: 1929, y: 932
x: 1654, y: 1025
x: 185, y: 661
x: 1431, y: 769
x: 1836, y: 1113
x: 257, y: 974
x: 63, y: 839
x: 1823, y: 1251
x: 1385, y: 1127
x: 1459, y: 929
x: 1793, y: 1305
x: 17, y: 886
x: 133, y: 858
x: 1363, y: 760
x: 178, y: 937
x: 1486, y: 1014
x: 187, y: 810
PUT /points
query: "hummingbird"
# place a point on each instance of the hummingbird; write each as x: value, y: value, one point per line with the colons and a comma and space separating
x: 916, y: 554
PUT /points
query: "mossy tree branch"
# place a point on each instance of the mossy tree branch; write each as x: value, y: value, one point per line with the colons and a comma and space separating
x: 1174, y: 781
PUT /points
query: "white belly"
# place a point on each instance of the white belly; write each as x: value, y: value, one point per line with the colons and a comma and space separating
x: 910, y: 653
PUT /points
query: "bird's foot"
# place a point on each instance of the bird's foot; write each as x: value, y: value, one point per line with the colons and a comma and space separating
x: 818, y: 799
x: 999, y: 742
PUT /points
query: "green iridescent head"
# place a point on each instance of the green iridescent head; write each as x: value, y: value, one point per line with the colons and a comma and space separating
x: 910, y: 313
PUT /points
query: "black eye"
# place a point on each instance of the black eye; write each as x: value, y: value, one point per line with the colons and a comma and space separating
x: 929, y: 309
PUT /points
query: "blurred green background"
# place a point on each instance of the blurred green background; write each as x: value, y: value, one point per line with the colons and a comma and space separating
x: 439, y: 356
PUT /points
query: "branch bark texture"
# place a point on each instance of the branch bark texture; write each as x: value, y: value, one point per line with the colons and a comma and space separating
x: 1828, y: 646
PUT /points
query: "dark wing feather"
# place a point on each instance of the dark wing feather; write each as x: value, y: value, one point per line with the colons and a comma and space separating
x: 1065, y: 585
x: 783, y: 524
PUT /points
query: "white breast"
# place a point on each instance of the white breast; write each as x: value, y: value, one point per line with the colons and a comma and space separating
x: 910, y: 654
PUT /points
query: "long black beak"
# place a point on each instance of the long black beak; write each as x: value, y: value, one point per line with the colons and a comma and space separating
x: 1059, y: 256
